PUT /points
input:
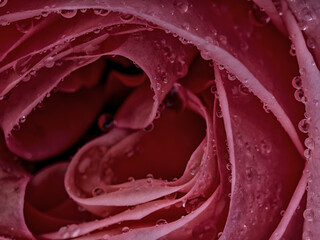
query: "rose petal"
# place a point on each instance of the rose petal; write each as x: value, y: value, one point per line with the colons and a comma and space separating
x: 57, y: 126
x: 261, y: 184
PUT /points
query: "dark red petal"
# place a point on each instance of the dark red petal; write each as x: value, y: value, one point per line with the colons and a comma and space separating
x: 60, y: 123
x: 13, y: 181
x: 266, y: 167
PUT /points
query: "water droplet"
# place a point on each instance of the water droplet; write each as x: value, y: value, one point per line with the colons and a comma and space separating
x: 149, y: 128
x: 309, y: 143
x: 292, y: 50
x: 229, y: 166
x: 22, y: 119
x: 306, y: 14
x: 303, y: 25
x: 223, y: 39
x: 265, y: 147
x: 26, y: 78
x: 311, y: 43
x: 194, y: 203
x: 49, y: 62
x: 308, y: 215
x: 63, y: 232
x: 131, y: 179
x: 299, y: 96
x: 260, y: 18
x: 308, y: 154
x: 302, y: 71
x: 126, y: 18
x: 297, y: 82
x: 45, y: 13
x: 304, y: 125
x: 125, y: 229
x: 231, y: 77
x: 266, y: 108
x: 105, y: 122
x: 243, y: 89
x: 161, y: 222
x: 181, y: 6
x: 244, y: 46
x: 219, y: 113
x: 307, y: 235
x: 81, y: 209
x: 205, y: 54
x: 213, y: 89
x: 24, y: 25
x: 68, y: 13
x: 22, y: 65
x: 181, y: 68
x: 282, y: 212
x: 149, y: 178
x: 186, y: 26
x: 97, y: 191
x: 74, y: 230
x: 16, y: 127
x: 3, y: 3
x: 171, y: 196
x: 97, y: 30
x: 249, y: 174
x: 221, y: 67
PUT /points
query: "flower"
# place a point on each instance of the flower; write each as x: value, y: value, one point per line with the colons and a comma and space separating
x: 205, y: 141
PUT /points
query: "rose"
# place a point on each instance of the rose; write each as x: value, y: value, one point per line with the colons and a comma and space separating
x: 265, y: 178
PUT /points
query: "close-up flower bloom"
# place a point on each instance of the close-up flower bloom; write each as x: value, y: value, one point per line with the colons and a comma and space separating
x: 160, y: 119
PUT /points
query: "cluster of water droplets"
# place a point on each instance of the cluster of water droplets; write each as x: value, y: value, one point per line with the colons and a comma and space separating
x: 305, y: 17
x: 69, y: 231
x: 299, y: 93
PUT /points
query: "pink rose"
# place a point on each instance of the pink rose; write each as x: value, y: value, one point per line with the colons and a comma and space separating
x: 159, y: 119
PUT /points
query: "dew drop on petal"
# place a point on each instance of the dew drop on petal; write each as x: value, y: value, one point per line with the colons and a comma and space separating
x: 161, y: 222
x: 309, y: 143
x: 181, y: 6
x: 297, y: 82
x: 308, y: 154
x: 22, y: 65
x: 307, y: 235
x: 22, y: 119
x: 186, y: 26
x: 68, y: 13
x: 299, y: 96
x: 97, y: 191
x: 243, y: 89
x: 126, y: 18
x: 302, y: 71
x: 16, y: 127
x: 304, y: 125
x: 266, y: 108
x: 105, y: 122
x: 25, y: 25
x: 125, y: 229
x: 311, y: 43
x: 131, y: 179
x: 265, y: 147
x: 149, y: 128
x: 306, y: 14
x: 308, y: 215
x: 231, y: 77
x: 49, y: 62
x: 303, y: 26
